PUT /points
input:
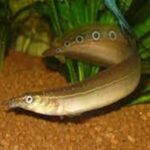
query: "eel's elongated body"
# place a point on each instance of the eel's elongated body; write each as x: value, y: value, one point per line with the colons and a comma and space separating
x: 98, y: 44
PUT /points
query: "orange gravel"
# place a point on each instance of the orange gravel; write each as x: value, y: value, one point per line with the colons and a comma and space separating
x: 127, y: 128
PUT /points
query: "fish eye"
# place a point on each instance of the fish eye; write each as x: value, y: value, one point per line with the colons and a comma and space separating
x: 79, y: 39
x: 29, y: 99
x: 112, y: 35
x: 96, y: 35
x: 67, y: 44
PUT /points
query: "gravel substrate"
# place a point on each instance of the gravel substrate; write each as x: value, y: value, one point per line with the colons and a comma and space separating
x: 125, y: 128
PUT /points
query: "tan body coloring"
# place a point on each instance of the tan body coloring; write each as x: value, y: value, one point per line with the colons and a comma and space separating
x: 99, y: 45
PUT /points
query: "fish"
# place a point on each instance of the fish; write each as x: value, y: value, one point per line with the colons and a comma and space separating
x: 98, y: 44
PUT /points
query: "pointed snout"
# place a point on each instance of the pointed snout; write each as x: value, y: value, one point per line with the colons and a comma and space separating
x: 12, y: 103
x: 8, y: 103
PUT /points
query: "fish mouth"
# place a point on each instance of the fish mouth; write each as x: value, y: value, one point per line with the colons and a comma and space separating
x: 12, y: 103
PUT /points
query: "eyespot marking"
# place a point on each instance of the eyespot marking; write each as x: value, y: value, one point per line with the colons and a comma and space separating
x: 29, y: 99
x: 96, y: 35
x: 58, y: 50
x: 67, y: 44
x: 112, y: 35
x: 79, y: 39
